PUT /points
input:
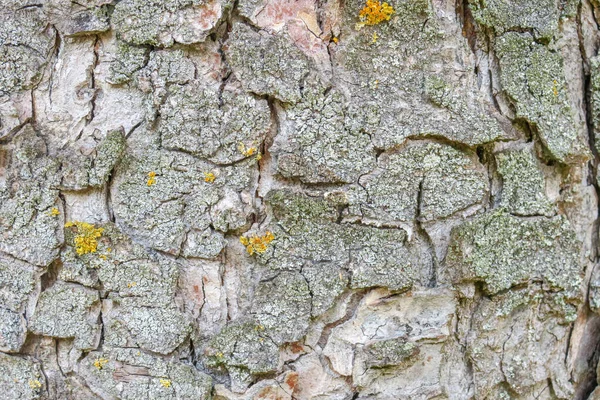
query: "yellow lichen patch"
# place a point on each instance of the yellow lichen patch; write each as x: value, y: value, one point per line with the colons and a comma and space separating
x: 555, y: 88
x: 335, y: 40
x: 257, y: 244
x: 375, y: 37
x: 165, y: 383
x: 258, y: 157
x: 209, y: 177
x: 151, y: 178
x: 35, y: 384
x: 86, y: 240
x: 247, y: 151
x: 54, y: 212
x: 131, y: 284
x: 99, y: 363
x: 375, y: 12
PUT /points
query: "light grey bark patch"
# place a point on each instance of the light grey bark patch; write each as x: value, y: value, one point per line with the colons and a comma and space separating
x: 503, y: 251
x: 68, y: 311
x: 31, y: 232
x: 423, y: 318
x: 160, y: 214
x: 267, y: 64
x: 426, y: 91
x: 533, y: 76
x: 318, y: 141
x: 523, y: 183
x: 223, y: 125
x: 20, y: 378
x: 164, y: 23
x: 132, y: 374
x: 430, y: 181
x: 501, y: 336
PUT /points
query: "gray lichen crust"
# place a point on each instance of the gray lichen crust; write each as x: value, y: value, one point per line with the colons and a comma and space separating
x: 422, y: 93
x: 164, y: 23
x: 31, y: 232
x: 25, y: 45
x: 523, y: 183
x: 426, y: 180
x: 68, y: 311
x: 221, y: 125
x: 534, y: 77
x: 267, y: 64
x: 280, y: 200
x: 503, y: 251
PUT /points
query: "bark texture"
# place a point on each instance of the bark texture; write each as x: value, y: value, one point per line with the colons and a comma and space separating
x: 275, y: 199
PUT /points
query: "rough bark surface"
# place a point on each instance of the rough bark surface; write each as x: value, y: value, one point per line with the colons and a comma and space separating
x: 272, y: 199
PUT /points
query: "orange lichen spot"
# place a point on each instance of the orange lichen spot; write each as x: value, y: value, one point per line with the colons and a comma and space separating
x: 165, y: 383
x: 151, y: 178
x: 35, y: 384
x: 296, y: 347
x: 335, y: 40
x: 292, y: 380
x: 99, y: 363
x: 86, y: 240
x: 257, y: 244
x: 131, y: 284
x: 375, y: 12
x: 209, y: 177
x: 555, y: 88
x: 54, y: 212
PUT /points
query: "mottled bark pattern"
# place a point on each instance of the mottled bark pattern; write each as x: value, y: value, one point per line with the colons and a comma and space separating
x: 276, y: 199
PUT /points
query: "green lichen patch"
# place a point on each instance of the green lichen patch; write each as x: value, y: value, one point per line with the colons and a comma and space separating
x: 157, y: 329
x: 179, y: 200
x: 534, y: 77
x: 282, y: 306
x: 25, y: 47
x: 503, y: 251
x: 122, y: 267
x: 308, y: 236
x: 540, y: 16
x: 79, y: 172
x: 523, y: 184
x: 391, y: 352
x: 243, y: 349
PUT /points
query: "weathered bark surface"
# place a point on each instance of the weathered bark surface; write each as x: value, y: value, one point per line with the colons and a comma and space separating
x: 267, y: 199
